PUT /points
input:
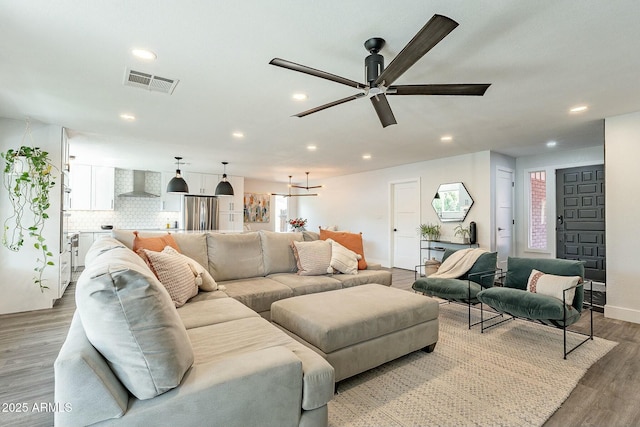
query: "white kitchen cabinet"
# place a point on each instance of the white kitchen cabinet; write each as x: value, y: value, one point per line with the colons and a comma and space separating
x: 92, y: 188
x: 85, y: 240
x: 102, y: 188
x: 201, y: 184
x: 231, y: 208
x: 169, y: 202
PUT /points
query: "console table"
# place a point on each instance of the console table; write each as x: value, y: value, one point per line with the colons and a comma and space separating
x: 438, y: 247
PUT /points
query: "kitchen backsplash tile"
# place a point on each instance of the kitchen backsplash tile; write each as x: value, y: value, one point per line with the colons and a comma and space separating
x: 130, y: 212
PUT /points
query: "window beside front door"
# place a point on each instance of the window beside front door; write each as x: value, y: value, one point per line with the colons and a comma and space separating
x: 537, y: 229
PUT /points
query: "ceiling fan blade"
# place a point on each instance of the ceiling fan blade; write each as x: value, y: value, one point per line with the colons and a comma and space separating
x: 443, y: 89
x: 317, y: 73
x: 430, y: 35
x: 330, y: 104
x: 383, y: 109
x: 305, y: 187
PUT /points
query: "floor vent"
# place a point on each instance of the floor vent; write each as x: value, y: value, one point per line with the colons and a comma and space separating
x: 149, y: 81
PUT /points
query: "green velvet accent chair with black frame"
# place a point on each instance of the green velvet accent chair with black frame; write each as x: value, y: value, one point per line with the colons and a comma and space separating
x: 514, y: 300
x: 463, y: 289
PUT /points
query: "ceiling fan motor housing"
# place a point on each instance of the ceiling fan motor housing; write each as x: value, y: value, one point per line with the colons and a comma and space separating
x: 374, y: 63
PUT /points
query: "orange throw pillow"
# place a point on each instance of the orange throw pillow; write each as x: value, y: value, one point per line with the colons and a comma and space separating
x: 350, y: 241
x: 155, y: 244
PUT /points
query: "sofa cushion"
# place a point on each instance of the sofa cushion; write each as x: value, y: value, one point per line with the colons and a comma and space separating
x: 381, y: 277
x: 352, y: 241
x: 257, y: 293
x: 235, y: 256
x: 302, y: 285
x: 130, y: 319
x: 212, y: 311
x: 277, y: 251
x: 520, y: 303
x: 193, y: 245
x: 174, y: 273
x: 449, y: 289
x: 312, y: 258
x: 552, y: 285
x: 156, y: 244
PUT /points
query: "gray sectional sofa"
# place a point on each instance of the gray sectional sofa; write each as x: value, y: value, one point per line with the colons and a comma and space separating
x: 232, y: 366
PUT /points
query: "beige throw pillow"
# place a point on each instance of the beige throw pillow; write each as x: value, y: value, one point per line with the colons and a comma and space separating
x: 175, y: 274
x: 552, y: 285
x: 203, y: 279
x: 342, y: 259
x: 313, y: 258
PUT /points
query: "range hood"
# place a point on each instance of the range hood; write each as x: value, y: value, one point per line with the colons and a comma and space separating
x: 139, y: 186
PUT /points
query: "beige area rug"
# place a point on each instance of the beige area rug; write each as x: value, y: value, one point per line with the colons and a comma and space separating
x: 512, y: 375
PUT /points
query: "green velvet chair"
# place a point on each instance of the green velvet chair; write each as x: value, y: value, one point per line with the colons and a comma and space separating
x: 465, y: 288
x: 514, y: 300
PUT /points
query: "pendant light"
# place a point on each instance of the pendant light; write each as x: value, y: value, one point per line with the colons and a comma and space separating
x: 224, y: 188
x: 177, y: 183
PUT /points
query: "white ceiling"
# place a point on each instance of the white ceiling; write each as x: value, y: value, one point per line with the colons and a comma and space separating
x: 63, y: 62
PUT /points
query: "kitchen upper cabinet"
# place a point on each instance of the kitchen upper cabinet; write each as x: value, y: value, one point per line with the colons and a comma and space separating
x: 231, y: 208
x: 201, y: 184
x: 169, y: 202
x: 92, y: 188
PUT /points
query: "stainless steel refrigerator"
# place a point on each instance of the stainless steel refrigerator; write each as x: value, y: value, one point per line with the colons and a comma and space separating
x: 200, y: 213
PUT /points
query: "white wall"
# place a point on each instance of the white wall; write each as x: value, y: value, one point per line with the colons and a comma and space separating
x: 549, y: 162
x: 19, y: 293
x: 622, y: 149
x: 361, y: 202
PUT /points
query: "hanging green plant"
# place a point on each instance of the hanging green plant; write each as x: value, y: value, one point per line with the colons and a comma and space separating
x: 28, y: 179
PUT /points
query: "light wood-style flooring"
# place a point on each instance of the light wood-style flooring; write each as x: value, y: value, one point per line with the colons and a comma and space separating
x: 29, y: 342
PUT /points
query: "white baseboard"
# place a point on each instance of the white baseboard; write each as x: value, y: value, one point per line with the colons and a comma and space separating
x: 622, y: 313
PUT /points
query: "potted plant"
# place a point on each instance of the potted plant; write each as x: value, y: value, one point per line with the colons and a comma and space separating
x: 429, y: 231
x: 28, y: 178
x: 298, y: 224
x: 463, y: 233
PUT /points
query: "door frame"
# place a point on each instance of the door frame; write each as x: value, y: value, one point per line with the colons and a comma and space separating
x: 391, y: 236
x: 512, y: 246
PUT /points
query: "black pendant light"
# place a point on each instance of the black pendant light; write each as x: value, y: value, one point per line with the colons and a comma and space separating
x: 177, y: 183
x: 224, y: 188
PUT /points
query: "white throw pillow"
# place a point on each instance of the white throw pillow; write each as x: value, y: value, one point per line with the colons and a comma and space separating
x: 342, y: 259
x: 313, y: 258
x: 552, y: 285
x: 175, y: 274
x: 203, y: 279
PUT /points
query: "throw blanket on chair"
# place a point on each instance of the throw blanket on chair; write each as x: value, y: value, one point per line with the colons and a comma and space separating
x: 458, y: 263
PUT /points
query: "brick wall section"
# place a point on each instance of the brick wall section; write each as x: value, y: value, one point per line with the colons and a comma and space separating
x: 537, y: 219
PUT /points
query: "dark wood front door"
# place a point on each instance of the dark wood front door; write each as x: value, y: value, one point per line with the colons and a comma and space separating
x: 580, y: 225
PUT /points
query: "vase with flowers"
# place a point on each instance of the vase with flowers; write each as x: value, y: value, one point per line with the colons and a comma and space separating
x: 298, y: 224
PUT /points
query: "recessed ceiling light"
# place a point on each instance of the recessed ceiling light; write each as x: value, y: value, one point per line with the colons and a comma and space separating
x: 128, y: 117
x: 579, y: 109
x: 366, y: 156
x: 238, y: 135
x: 551, y: 144
x: 311, y: 147
x: 446, y: 138
x: 299, y: 96
x: 144, y: 54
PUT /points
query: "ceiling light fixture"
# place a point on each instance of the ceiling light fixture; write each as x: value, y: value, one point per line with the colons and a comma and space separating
x: 144, y: 54
x: 128, y: 117
x: 366, y: 156
x: 312, y: 147
x: 177, y: 183
x: 551, y: 144
x: 238, y: 135
x: 289, y: 194
x: 579, y: 109
x: 224, y: 188
x: 446, y: 138
x: 299, y: 96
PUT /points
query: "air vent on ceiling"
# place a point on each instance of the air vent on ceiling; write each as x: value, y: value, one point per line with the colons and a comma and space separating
x: 149, y: 81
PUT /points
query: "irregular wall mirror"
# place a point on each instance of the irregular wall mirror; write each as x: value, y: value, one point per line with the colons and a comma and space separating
x: 452, y: 202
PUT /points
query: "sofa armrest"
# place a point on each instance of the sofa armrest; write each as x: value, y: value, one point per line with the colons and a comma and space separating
x: 371, y: 266
x: 262, y: 387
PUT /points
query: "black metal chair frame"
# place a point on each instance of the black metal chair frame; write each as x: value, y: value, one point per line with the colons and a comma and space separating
x: 562, y: 326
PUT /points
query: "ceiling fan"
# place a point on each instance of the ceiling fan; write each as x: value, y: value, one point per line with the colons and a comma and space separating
x: 380, y: 79
x: 304, y: 187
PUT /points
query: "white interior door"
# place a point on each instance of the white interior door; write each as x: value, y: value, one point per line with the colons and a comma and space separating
x: 406, y: 219
x: 504, y: 215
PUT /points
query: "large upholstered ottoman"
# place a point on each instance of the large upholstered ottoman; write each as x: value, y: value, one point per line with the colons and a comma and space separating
x: 359, y: 328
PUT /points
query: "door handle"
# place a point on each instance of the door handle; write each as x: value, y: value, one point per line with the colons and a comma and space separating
x: 561, y: 219
x: 500, y: 228
x: 395, y: 229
